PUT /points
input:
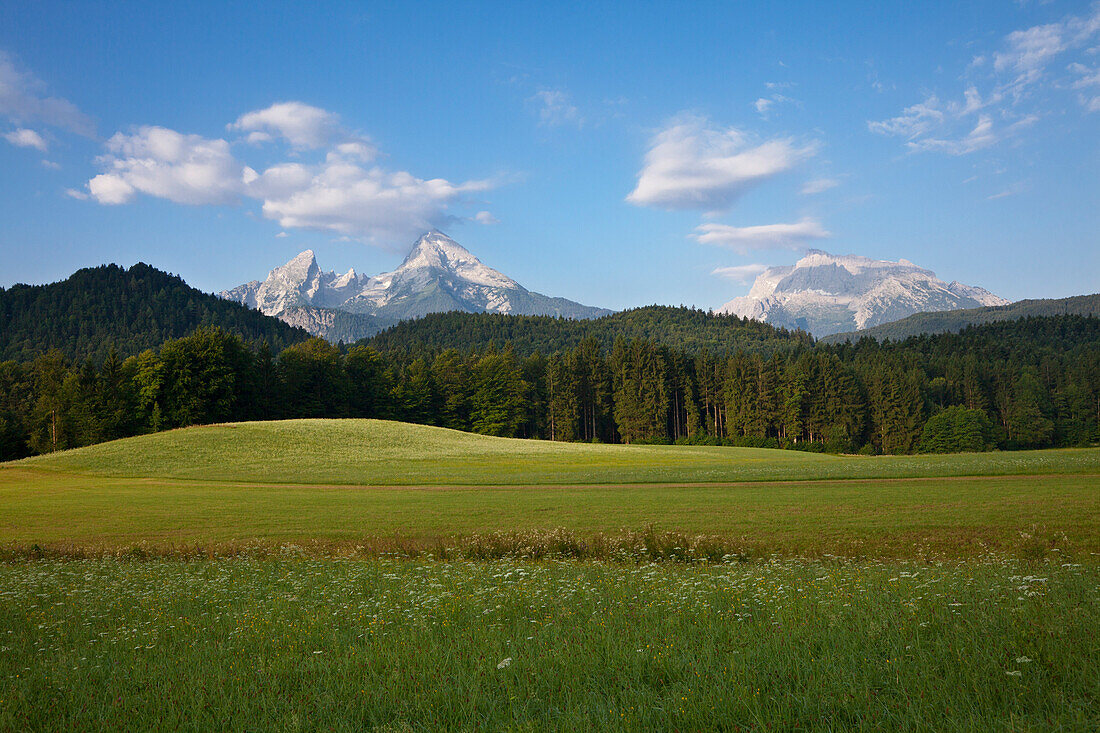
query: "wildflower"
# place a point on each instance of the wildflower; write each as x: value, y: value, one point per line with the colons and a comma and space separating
x: 1014, y: 673
x: 504, y: 663
x: 1022, y: 660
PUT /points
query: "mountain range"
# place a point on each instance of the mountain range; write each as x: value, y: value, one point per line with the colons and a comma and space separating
x: 826, y: 294
x: 956, y: 320
x: 438, y: 275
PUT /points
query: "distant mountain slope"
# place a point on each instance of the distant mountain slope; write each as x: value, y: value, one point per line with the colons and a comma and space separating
x: 825, y: 294
x: 130, y: 309
x: 954, y: 321
x: 681, y: 328
x: 437, y: 276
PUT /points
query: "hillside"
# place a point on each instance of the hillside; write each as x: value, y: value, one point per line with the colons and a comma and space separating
x: 133, y: 309
x: 380, y: 452
x: 685, y: 329
x: 957, y: 320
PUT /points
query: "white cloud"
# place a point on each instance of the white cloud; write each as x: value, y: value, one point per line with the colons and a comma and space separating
x: 281, y: 235
x: 763, y: 105
x: 484, y: 217
x: 53, y: 166
x: 25, y: 138
x: 818, y: 185
x: 1086, y: 82
x: 914, y: 121
x: 982, y: 136
x: 933, y: 125
x: 767, y: 236
x: 1028, y: 51
x: 340, y: 192
x: 186, y: 169
x: 1018, y: 70
x: 556, y: 108
x: 740, y: 273
x: 23, y: 100
x: 75, y: 194
x: 693, y: 165
x: 341, y: 196
x: 302, y: 125
x: 1087, y: 77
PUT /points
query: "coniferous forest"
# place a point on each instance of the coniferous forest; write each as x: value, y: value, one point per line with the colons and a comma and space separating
x: 98, y: 309
x: 1022, y: 384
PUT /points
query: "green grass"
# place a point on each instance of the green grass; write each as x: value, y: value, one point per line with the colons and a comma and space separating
x: 895, y: 518
x: 321, y: 484
x: 396, y: 645
x: 382, y: 453
x: 968, y: 598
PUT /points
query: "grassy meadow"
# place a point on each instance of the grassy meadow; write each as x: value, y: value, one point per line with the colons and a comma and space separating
x: 307, y: 644
x: 381, y: 486
x: 364, y: 575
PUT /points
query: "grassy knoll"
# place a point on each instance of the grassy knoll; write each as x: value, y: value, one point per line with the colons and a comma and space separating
x: 378, y: 452
x: 400, y: 646
x: 323, y: 484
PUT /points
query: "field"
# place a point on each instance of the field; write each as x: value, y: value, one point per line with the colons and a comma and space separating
x: 335, y: 485
x: 295, y: 644
x: 363, y: 575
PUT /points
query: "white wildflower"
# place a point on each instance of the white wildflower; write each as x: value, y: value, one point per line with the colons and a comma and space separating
x: 504, y: 663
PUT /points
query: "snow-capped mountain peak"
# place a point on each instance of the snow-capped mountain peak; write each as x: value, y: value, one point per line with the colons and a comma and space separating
x: 435, y: 250
x: 824, y: 293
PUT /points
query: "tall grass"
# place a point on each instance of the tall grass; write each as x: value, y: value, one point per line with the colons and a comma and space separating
x: 292, y: 643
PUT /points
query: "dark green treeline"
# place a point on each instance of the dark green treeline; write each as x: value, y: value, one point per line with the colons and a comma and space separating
x: 1022, y: 384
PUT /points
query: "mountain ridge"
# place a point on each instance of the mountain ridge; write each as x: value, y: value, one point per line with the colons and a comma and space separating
x: 129, y: 309
x: 953, y: 321
x: 686, y: 329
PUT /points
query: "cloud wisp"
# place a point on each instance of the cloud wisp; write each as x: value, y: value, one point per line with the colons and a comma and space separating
x: 762, y: 237
x: 743, y: 274
x: 342, y: 193
x: 24, y: 101
x: 1018, y: 70
x: 24, y: 138
x: 692, y: 164
x: 556, y: 108
x: 818, y: 185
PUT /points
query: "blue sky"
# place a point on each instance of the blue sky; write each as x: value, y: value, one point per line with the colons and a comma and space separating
x: 614, y: 157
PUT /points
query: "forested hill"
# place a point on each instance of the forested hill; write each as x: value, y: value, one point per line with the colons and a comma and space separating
x: 955, y: 321
x: 133, y: 309
x: 685, y: 329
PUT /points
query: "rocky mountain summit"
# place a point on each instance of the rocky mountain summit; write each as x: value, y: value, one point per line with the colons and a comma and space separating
x: 825, y: 294
x: 437, y: 276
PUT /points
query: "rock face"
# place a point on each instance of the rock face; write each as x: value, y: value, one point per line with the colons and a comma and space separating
x: 826, y: 294
x: 438, y: 275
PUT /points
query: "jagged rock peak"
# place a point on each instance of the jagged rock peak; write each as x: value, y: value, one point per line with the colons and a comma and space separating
x: 435, y: 250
